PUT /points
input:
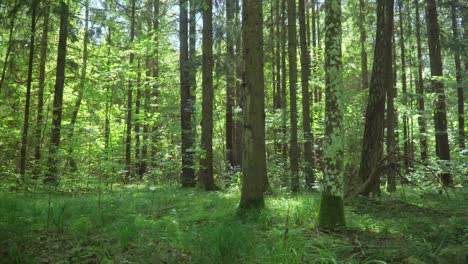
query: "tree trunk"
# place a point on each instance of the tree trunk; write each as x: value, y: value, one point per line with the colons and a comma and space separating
x: 331, y: 213
x: 284, y: 118
x: 188, y: 172
x: 138, y: 123
x: 128, y: 138
x: 294, y: 148
x: 362, y: 31
x: 239, y: 96
x: 156, y: 84
x: 440, y: 114
x: 381, y: 82
x: 53, y: 158
x: 24, y: 139
x: 254, y: 172
x: 206, y: 160
x: 76, y: 108
x: 10, y: 43
x: 306, y: 121
x: 40, y: 93
x: 230, y: 82
x: 420, y: 88
x: 458, y: 69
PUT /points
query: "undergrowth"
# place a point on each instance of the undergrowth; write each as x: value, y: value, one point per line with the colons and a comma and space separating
x: 171, y: 225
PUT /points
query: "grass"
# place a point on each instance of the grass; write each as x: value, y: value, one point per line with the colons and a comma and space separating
x: 171, y: 225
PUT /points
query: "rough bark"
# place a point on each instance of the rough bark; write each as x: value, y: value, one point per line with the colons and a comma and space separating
x: 381, y: 82
x: 254, y: 172
x: 53, y: 158
x: 24, y: 138
x: 331, y: 213
x: 440, y: 114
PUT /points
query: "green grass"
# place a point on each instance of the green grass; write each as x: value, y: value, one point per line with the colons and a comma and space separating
x: 171, y: 225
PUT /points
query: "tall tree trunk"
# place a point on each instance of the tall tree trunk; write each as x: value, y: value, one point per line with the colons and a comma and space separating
x: 254, y: 172
x: 76, y: 108
x: 138, y: 123
x: 40, y: 93
x: 239, y: 95
x: 381, y: 82
x: 58, y: 96
x: 156, y: 84
x: 188, y: 172
x: 10, y: 42
x: 362, y: 31
x: 306, y: 120
x: 284, y: 118
x: 109, y: 99
x: 331, y: 213
x: 24, y: 139
x: 128, y: 137
x: 440, y: 114
x: 230, y: 82
x: 391, y: 136
x: 420, y: 87
x: 294, y: 148
x: 406, y: 146
x: 279, y: 77
x: 458, y: 69
x: 206, y: 160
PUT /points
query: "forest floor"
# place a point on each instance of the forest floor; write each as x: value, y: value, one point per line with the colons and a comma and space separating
x: 172, y: 225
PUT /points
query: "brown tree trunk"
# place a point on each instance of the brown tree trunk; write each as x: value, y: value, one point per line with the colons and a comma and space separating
x: 53, y: 159
x: 306, y: 120
x: 284, y: 118
x: 440, y: 114
x: 237, y: 148
x: 363, y: 35
x: 230, y: 82
x: 420, y: 87
x: 128, y: 138
x: 24, y: 139
x: 254, y: 172
x: 206, y: 160
x: 381, y: 82
x: 10, y: 42
x: 137, y: 122
x: 156, y: 84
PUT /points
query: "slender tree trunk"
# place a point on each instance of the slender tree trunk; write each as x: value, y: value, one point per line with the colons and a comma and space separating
x: 109, y: 99
x: 156, y: 84
x: 10, y: 43
x: 40, y: 93
x: 458, y: 69
x: 284, y: 117
x: 294, y: 148
x: 53, y: 158
x: 279, y: 77
x: 391, y: 136
x: 254, y: 172
x: 76, y: 108
x: 381, y: 82
x: 206, y: 161
x: 406, y: 145
x: 420, y: 87
x: 188, y: 172
x: 331, y: 213
x: 230, y: 82
x: 24, y: 139
x: 362, y: 31
x: 128, y: 138
x: 440, y: 114
x: 239, y: 94
x: 306, y: 120
x: 137, y: 122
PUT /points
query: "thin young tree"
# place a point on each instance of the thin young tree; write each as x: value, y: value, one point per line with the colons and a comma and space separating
x: 254, y: 172
x: 381, y: 82
x: 331, y: 213
x: 24, y: 139
x: 363, y: 36
x: 206, y: 178
x: 55, y: 132
x: 440, y: 113
x: 128, y: 133
x: 230, y: 81
x: 12, y: 16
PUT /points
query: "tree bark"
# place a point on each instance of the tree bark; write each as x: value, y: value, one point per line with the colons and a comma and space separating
x: 24, y: 139
x: 381, y: 82
x: 128, y: 138
x: 10, y: 42
x: 58, y: 97
x: 363, y: 35
x: 230, y: 82
x: 440, y: 114
x: 254, y: 172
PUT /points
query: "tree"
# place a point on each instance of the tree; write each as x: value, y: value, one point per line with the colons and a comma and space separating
x: 331, y: 213
x: 58, y: 96
x: 206, y: 161
x: 254, y: 173
x: 293, y: 148
x: 440, y: 114
x: 381, y: 82
x: 230, y: 81
x: 12, y: 15
x: 420, y: 87
x: 128, y: 134
x: 306, y: 120
x: 24, y: 140
x: 363, y: 35
x: 188, y: 172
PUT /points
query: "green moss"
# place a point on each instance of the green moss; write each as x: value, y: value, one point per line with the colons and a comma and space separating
x: 331, y: 214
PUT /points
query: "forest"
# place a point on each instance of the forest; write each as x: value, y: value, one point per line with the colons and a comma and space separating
x: 233, y: 131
